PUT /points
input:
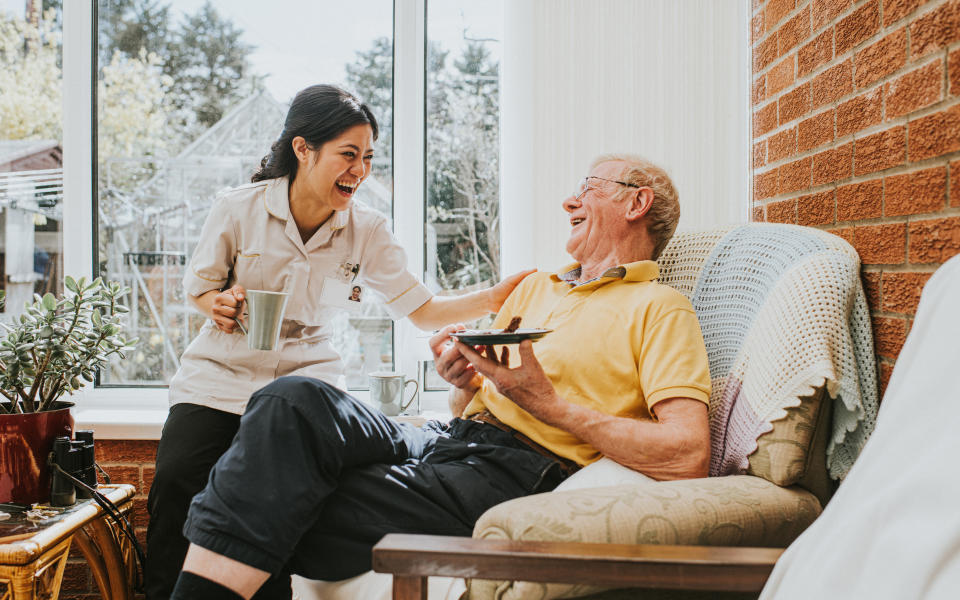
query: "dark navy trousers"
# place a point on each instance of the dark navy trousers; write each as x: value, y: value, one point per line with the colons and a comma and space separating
x: 314, y: 478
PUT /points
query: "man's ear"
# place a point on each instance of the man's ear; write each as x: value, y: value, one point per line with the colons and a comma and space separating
x: 640, y: 202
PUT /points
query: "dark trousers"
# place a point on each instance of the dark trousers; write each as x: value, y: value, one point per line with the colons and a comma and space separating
x: 315, y: 478
x: 193, y: 438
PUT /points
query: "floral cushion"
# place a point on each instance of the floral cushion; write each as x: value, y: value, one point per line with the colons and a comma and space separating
x: 794, y: 452
x: 738, y: 510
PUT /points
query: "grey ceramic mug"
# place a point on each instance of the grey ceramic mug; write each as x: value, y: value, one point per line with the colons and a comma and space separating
x: 265, y: 316
x: 386, y: 392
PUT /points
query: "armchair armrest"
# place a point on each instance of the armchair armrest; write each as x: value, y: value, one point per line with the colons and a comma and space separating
x: 412, y: 558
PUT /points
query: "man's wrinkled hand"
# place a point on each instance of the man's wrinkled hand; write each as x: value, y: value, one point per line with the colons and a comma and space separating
x: 526, y: 385
x: 450, y: 363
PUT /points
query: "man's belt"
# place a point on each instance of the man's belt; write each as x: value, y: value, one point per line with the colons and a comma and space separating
x: 485, y: 416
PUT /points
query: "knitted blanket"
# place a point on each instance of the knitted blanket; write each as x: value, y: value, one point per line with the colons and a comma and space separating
x: 782, y: 311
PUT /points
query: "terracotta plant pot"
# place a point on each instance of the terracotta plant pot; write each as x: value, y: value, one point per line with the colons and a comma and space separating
x: 25, y: 442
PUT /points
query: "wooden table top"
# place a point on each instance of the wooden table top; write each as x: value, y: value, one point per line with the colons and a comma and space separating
x: 23, y: 541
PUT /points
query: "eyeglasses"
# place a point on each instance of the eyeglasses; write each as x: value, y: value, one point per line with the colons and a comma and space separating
x: 584, y: 186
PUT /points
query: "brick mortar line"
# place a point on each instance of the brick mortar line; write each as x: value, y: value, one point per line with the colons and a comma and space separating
x: 836, y: 205
x: 907, y: 167
x: 906, y: 235
x: 902, y: 268
x: 875, y: 221
x: 863, y: 43
x: 916, y: 13
x: 883, y: 31
x: 794, y: 12
x: 879, y: 83
x: 906, y: 146
x: 945, y: 88
x: 947, y: 99
x: 906, y: 220
x: 944, y: 213
x: 908, y: 37
x: 949, y: 186
x: 908, y: 66
x: 883, y: 199
x: 819, y: 69
x: 776, y: 26
x: 903, y: 120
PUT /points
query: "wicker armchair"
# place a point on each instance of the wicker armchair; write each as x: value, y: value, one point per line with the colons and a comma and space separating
x: 673, y: 538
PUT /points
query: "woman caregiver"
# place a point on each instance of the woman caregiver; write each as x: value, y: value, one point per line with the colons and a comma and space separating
x: 294, y: 229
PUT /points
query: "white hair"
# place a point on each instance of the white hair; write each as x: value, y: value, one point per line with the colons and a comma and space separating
x: 664, y: 215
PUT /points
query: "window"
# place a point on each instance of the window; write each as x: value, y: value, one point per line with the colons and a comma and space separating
x: 462, y: 150
x: 190, y: 96
x: 31, y: 156
x: 170, y: 131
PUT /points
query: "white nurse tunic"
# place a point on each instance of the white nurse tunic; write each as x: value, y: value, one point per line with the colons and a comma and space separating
x: 250, y: 238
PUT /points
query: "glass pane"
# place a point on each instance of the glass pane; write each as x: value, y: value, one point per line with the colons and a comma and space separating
x: 31, y: 157
x: 191, y: 94
x: 463, y: 149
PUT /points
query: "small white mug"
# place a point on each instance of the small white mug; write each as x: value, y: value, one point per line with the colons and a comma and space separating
x: 386, y: 392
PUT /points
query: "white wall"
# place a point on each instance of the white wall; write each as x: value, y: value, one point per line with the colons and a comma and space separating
x: 667, y: 79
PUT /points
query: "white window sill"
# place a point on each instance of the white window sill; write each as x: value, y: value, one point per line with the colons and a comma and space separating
x: 139, y: 413
x: 121, y: 413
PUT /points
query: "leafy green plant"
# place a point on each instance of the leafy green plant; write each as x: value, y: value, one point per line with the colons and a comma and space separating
x: 57, y: 344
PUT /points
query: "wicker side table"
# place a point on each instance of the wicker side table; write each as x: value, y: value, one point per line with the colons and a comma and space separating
x: 33, y: 555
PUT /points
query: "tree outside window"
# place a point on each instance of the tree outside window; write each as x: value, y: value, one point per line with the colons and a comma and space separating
x: 214, y: 120
x: 462, y: 208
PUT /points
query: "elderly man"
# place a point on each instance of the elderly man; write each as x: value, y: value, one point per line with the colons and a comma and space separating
x: 623, y: 374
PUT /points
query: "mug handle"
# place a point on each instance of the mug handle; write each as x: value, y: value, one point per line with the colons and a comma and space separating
x: 416, y: 389
x: 242, y: 328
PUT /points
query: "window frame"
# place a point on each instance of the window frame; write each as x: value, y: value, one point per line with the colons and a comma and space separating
x: 110, y: 409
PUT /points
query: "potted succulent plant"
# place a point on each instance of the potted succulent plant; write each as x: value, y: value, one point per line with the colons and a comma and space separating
x: 53, y: 348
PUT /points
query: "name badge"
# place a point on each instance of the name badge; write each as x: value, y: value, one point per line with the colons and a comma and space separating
x: 345, y: 295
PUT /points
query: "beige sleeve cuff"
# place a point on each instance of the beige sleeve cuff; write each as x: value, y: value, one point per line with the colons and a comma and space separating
x: 412, y: 298
x: 196, y: 285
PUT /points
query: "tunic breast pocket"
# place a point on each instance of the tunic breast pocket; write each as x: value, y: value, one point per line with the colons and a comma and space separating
x: 248, y: 270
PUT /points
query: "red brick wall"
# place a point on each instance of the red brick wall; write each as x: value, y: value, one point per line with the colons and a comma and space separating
x: 856, y: 130
x: 126, y: 461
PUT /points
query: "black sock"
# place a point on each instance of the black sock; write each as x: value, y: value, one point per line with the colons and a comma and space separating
x: 191, y: 586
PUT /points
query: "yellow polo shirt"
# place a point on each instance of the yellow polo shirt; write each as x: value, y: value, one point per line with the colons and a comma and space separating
x: 620, y: 344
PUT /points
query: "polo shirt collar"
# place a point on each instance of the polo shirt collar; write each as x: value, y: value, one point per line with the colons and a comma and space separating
x: 641, y: 270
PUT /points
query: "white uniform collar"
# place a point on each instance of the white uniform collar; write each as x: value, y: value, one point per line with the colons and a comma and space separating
x: 276, y: 201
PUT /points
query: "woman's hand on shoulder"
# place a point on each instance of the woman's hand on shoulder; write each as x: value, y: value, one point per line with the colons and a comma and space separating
x: 226, y: 308
x: 498, y: 293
